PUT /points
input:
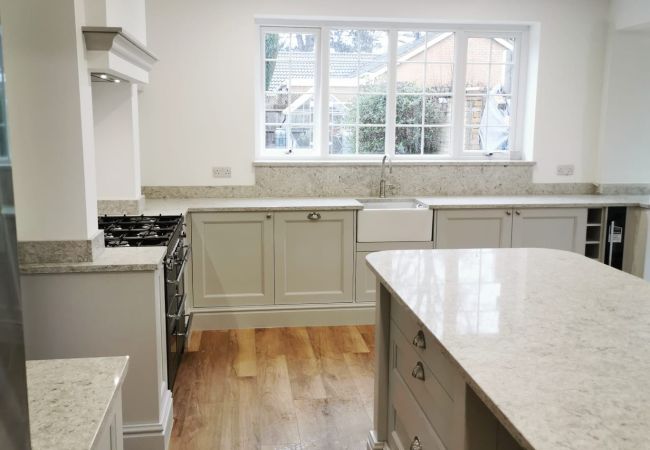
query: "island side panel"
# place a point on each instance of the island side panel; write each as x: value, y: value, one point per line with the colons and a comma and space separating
x: 379, y: 435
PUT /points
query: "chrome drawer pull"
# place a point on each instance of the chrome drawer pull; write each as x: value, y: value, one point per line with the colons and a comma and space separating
x: 415, y: 444
x: 418, y: 371
x: 419, y: 340
x: 313, y: 216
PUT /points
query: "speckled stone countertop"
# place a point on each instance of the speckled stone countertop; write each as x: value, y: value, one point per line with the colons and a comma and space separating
x: 554, y: 343
x: 185, y: 205
x: 69, y: 398
x: 182, y: 206
x: 112, y: 259
x: 531, y: 201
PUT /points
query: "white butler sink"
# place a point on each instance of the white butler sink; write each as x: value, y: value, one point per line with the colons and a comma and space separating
x: 398, y: 220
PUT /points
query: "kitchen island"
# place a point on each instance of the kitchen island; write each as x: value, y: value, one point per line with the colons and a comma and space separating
x: 509, y: 348
x: 76, y: 404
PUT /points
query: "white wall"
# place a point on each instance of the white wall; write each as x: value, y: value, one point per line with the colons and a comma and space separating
x: 631, y: 13
x: 50, y: 120
x: 117, y: 141
x: 128, y: 14
x: 625, y: 145
x: 198, y: 110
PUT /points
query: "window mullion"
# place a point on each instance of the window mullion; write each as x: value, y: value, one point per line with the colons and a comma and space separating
x: 391, y: 99
x: 323, y: 94
x: 458, y: 114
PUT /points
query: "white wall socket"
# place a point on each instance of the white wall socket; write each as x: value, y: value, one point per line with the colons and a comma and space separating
x: 221, y: 172
x: 565, y: 170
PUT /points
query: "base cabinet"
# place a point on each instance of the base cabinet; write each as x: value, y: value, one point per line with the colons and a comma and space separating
x: 265, y: 258
x: 233, y: 259
x: 314, y: 257
x: 473, y: 228
x: 556, y: 228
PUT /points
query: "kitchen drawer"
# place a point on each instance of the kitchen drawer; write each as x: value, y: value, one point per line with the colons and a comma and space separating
x: 431, y: 354
x: 435, y: 402
x: 406, y: 421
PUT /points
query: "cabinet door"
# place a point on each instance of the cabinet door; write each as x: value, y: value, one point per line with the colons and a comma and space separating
x: 314, y: 256
x: 558, y: 228
x: 233, y: 259
x: 473, y: 228
x: 365, y: 279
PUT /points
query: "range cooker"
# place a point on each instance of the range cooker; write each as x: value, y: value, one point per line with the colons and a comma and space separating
x: 164, y: 231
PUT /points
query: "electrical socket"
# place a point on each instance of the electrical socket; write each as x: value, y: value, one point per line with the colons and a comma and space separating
x: 565, y: 170
x: 221, y: 172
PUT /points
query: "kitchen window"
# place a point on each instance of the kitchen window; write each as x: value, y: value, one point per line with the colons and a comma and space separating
x: 338, y: 91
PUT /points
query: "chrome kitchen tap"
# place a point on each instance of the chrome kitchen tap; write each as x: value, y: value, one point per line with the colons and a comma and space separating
x: 382, y: 180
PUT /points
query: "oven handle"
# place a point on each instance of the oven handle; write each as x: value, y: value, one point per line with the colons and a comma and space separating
x: 181, y: 271
x: 180, y: 308
x: 187, y: 327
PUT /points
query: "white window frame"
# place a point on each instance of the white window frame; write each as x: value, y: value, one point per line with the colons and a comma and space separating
x: 461, y: 32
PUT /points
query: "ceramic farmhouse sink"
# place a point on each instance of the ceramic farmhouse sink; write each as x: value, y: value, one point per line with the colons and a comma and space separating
x: 394, y: 220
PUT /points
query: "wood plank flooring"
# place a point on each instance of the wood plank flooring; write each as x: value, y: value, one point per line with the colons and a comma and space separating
x: 275, y: 389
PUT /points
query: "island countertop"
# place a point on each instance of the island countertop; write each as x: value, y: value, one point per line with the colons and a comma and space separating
x: 555, y: 344
x: 69, y: 398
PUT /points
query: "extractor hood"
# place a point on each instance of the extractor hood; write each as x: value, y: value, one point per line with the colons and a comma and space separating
x: 116, y: 54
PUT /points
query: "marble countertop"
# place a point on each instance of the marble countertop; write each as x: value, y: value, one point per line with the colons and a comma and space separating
x: 554, y: 343
x: 182, y: 206
x: 112, y: 259
x: 69, y: 398
x: 185, y: 205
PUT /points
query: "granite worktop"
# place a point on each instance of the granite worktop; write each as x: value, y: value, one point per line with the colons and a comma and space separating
x: 182, y: 206
x: 534, y: 201
x: 111, y: 259
x: 185, y: 205
x: 69, y: 398
x: 554, y: 343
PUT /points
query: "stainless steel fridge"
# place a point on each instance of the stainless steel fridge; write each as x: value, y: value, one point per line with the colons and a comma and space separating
x: 14, y: 417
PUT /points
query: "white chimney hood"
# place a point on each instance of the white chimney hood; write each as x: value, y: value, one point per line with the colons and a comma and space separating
x: 112, y: 51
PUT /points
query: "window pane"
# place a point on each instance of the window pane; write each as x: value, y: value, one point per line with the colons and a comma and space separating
x: 301, y: 109
x: 502, y: 50
x: 477, y: 79
x: 497, y: 138
x: 439, y: 78
x: 408, y: 109
x: 473, y: 140
x: 303, y: 42
x: 289, y: 81
x: 501, y: 79
x: 373, y: 76
x: 436, y: 140
x: 342, y: 140
x: 437, y: 109
x: 372, y: 139
x: 273, y: 42
x: 343, y: 108
x: 411, y: 46
x: 407, y: 140
x: 372, y: 109
x: 358, y: 85
x: 276, y: 105
x: 410, y: 77
x: 440, y: 47
x: 474, y: 107
x: 478, y: 50
x: 276, y: 137
x: 302, y: 137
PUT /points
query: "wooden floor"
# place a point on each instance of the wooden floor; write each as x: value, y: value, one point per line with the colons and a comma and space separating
x: 275, y: 388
